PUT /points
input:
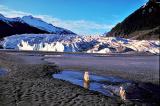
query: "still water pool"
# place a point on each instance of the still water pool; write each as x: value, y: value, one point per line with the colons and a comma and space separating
x: 106, y: 85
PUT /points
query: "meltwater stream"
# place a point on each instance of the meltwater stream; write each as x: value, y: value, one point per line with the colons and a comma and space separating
x: 109, y: 86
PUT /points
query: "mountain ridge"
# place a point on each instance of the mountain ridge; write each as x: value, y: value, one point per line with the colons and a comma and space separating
x: 39, y: 23
x: 17, y: 25
x: 142, y: 24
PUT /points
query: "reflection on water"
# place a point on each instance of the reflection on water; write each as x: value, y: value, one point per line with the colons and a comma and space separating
x: 86, y: 84
x: 110, y: 86
x: 106, y: 85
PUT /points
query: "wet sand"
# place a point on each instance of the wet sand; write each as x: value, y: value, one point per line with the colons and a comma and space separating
x: 29, y: 83
x: 137, y: 68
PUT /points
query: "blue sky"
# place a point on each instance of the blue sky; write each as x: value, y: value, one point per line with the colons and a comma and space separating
x: 80, y: 16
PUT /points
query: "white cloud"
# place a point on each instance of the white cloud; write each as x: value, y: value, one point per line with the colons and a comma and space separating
x: 11, y: 13
x: 77, y: 26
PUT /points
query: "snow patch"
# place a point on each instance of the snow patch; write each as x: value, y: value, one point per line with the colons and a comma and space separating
x: 37, y: 22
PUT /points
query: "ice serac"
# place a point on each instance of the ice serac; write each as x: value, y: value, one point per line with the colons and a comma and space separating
x: 77, y: 43
x: 39, y: 23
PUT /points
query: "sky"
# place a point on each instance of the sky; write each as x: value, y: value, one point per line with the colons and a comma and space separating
x: 80, y: 16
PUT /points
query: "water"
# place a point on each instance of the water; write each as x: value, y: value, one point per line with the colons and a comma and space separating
x: 3, y: 71
x: 106, y: 85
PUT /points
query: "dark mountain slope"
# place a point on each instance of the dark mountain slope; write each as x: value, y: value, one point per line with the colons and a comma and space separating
x: 142, y: 24
x: 28, y: 25
x: 17, y: 28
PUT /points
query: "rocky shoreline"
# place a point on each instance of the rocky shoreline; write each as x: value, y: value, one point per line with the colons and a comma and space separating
x: 31, y: 84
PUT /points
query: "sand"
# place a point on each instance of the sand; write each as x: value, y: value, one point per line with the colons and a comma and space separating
x: 29, y: 83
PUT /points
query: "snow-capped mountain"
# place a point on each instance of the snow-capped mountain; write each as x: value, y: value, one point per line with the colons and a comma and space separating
x: 38, y: 23
x: 11, y: 26
x: 8, y: 20
x: 76, y: 43
x: 27, y: 25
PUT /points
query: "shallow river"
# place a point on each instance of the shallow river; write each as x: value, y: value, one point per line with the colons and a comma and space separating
x: 106, y: 85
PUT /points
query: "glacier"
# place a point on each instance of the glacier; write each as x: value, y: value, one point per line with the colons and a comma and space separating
x: 78, y: 43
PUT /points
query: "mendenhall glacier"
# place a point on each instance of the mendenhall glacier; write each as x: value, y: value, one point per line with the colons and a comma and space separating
x: 78, y: 43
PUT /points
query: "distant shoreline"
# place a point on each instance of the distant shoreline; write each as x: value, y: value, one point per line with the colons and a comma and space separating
x: 81, y: 53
